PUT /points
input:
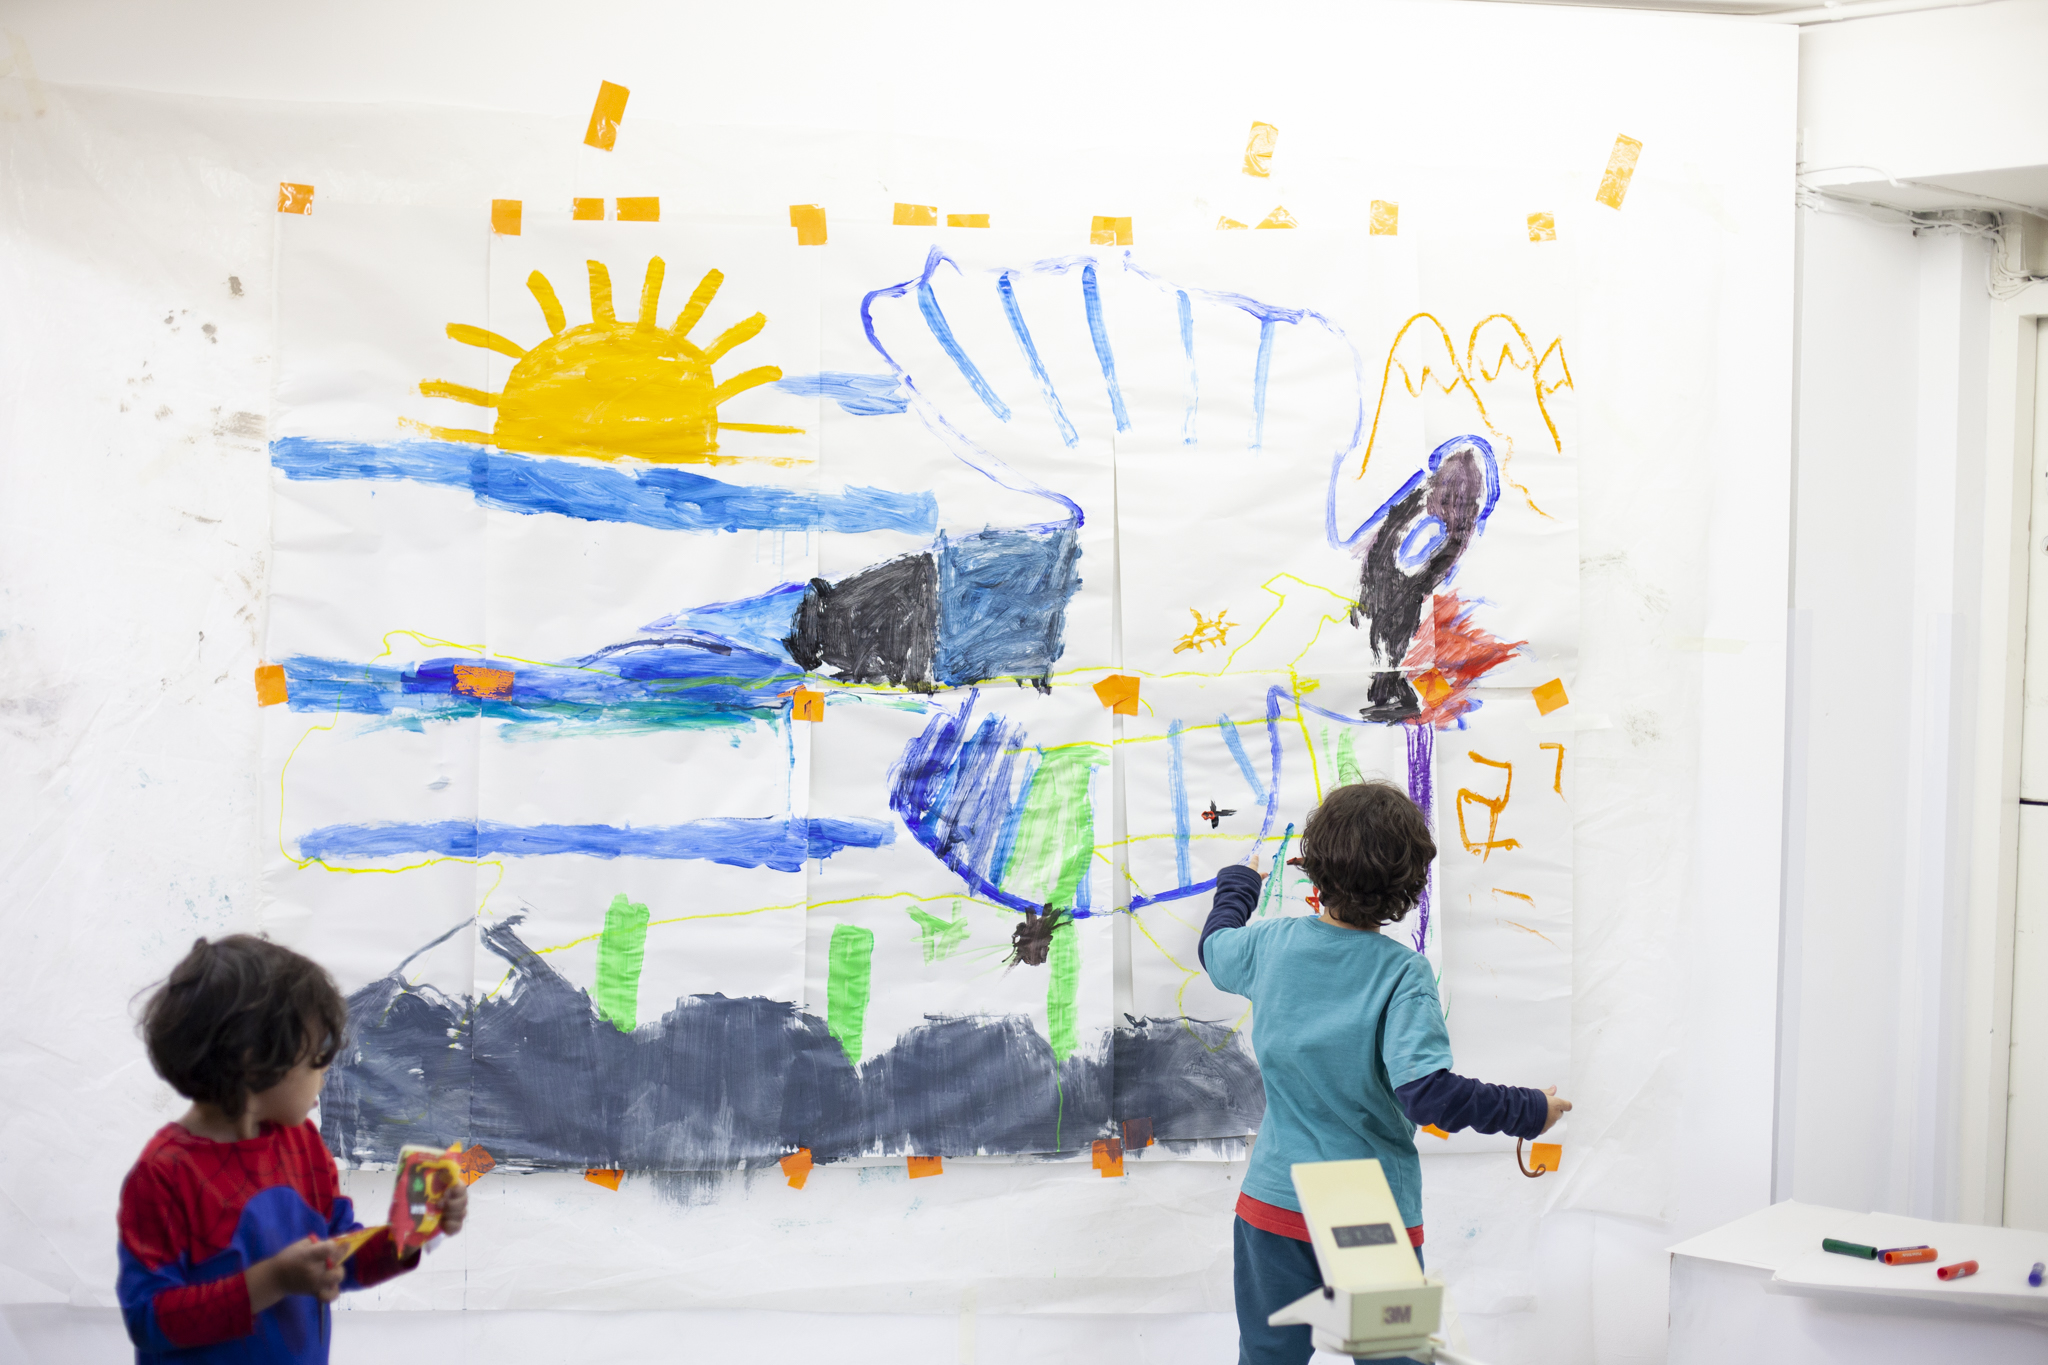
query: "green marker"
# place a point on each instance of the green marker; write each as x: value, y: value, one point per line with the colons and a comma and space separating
x: 1848, y: 1248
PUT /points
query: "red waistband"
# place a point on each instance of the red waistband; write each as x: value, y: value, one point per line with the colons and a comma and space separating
x: 1289, y: 1222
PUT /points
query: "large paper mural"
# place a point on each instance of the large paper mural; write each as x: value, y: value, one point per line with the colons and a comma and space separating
x: 687, y: 696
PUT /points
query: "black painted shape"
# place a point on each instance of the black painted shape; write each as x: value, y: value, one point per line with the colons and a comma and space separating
x: 535, y: 1077
x: 877, y: 626
x: 1392, y: 597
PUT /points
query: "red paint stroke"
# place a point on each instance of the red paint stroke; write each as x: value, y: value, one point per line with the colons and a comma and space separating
x: 1465, y: 654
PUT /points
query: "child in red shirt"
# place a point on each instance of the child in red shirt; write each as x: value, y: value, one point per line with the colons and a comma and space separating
x: 227, y: 1219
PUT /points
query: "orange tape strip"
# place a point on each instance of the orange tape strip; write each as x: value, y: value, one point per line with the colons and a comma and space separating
x: 796, y: 1167
x: 1386, y: 218
x: 609, y: 1179
x: 587, y: 210
x: 643, y: 210
x: 922, y: 1166
x: 1119, y: 693
x: 1258, y: 152
x: 606, y: 115
x: 270, y: 685
x: 1621, y: 168
x: 1550, y: 696
x: 1109, y: 231
x: 917, y: 215
x: 472, y: 681
x: 294, y: 198
x: 1542, y: 227
x: 505, y: 215
x: 966, y: 220
x: 809, y: 222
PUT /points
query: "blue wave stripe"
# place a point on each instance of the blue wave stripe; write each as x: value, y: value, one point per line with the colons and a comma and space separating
x: 942, y: 332
x: 1187, y: 344
x: 858, y: 395
x: 1091, y: 298
x: 1177, y: 792
x: 663, y: 497
x: 1244, y: 762
x: 781, y: 844
x: 1015, y: 313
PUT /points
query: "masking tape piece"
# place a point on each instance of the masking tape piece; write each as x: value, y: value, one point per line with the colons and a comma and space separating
x: 1550, y: 696
x: 804, y: 704
x: 1103, y: 231
x: 1258, y: 150
x: 1386, y: 218
x: 1278, y: 218
x: 609, y: 1179
x: 646, y: 209
x: 966, y: 220
x: 294, y: 198
x: 473, y: 681
x: 922, y: 1166
x: 1435, y: 1131
x: 809, y: 222
x: 1119, y: 693
x: 1621, y: 168
x: 796, y: 1167
x: 917, y: 215
x: 1542, y: 227
x: 587, y: 210
x: 505, y: 215
x: 606, y: 115
x: 1546, y: 1156
x: 1137, y: 1134
x: 270, y: 685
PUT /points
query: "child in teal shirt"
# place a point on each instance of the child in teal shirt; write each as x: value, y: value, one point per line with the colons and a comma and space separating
x: 1350, y: 1040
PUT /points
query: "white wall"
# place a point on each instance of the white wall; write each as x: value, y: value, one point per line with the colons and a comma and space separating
x: 1901, y: 738
x: 135, y: 739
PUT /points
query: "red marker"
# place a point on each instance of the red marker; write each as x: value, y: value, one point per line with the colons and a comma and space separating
x: 1909, y: 1255
x: 1958, y: 1270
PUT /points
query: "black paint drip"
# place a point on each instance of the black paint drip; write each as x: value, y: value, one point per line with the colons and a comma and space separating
x: 535, y: 1077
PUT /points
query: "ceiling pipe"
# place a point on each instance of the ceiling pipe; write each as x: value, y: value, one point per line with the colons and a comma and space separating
x: 1859, y: 9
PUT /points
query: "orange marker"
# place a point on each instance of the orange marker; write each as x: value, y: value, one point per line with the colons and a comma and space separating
x: 1958, y: 1270
x: 1919, y: 1255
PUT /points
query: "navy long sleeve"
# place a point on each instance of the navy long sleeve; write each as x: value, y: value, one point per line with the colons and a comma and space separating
x: 1237, y: 895
x: 1450, y: 1102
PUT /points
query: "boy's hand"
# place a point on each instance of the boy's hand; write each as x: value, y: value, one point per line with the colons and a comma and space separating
x: 1255, y: 863
x: 454, y: 1208
x: 309, y: 1267
x: 1558, y: 1108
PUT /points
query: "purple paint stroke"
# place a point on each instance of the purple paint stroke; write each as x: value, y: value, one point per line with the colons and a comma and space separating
x: 1422, y: 791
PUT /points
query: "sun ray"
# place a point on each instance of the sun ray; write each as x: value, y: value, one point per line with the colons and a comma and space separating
x: 461, y: 393
x: 601, y: 294
x: 707, y: 289
x: 490, y: 341
x: 550, y: 306
x: 744, y: 330
x: 744, y: 380
x: 650, y: 292
x: 761, y: 426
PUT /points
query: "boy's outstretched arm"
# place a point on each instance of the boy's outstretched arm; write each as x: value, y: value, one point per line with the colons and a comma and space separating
x: 1449, y: 1101
x: 1237, y: 895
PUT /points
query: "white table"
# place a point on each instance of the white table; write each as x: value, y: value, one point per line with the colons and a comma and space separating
x: 1761, y: 1291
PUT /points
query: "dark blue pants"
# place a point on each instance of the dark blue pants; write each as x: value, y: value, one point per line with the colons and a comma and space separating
x: 1271, y: 1272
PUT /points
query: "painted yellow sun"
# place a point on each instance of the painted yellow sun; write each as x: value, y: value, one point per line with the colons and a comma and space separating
x: 609, y: 389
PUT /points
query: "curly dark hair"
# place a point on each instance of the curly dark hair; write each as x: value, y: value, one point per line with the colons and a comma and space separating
x: 238, y: 1014
x: 1367, y: 848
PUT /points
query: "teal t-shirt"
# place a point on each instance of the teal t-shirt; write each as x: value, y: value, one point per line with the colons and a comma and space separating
x: 1340, y: 1018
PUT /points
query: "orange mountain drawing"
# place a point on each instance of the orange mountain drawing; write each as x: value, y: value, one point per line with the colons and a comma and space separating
x: 609, y: 389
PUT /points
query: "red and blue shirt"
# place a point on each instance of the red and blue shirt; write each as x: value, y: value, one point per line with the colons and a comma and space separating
x: 196, y: 1214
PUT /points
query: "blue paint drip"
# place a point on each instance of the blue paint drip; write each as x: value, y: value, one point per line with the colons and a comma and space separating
x: 1259, y: 375
x: 781, y: 844
x: 858, y: 395
x: 1187, y: 344
x: 663, y: 497
x: 942, y: 332
x: 1091, y: 297
x: 1244, y: 762
x: 1177, y: 792
x: 1015, y: 314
